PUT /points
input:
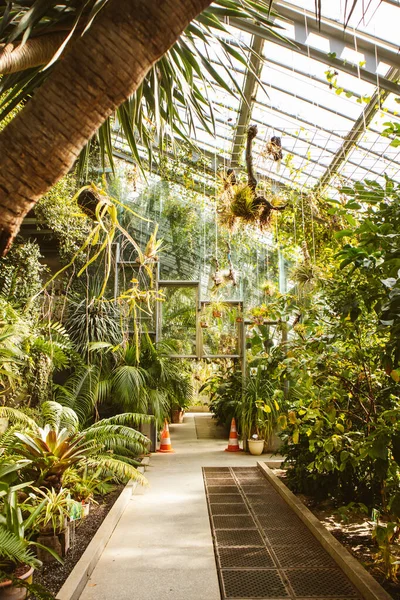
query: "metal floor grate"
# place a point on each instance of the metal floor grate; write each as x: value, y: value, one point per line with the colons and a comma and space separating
x: 263, y: 550
x: 253, y: 584
x: 233, y: 522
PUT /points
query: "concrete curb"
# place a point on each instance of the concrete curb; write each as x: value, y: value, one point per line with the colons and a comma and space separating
x: 360, y: 578
x: 79, y: 576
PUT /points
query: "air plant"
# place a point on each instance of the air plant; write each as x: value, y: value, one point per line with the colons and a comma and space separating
x: 243, y: 202
x: 306, y: 274
x: 102, y: 209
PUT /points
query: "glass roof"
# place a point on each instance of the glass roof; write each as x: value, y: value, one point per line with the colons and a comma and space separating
x: 329, y: 132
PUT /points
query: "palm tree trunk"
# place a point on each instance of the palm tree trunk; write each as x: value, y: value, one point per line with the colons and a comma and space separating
x: 34, y: 53
x: 100, y: 71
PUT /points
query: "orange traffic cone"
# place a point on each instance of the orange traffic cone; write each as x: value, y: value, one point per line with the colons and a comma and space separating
x: 233, y: 443
x: 165, y: 440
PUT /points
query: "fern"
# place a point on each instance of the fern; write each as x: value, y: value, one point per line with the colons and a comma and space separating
x: 17, y: 416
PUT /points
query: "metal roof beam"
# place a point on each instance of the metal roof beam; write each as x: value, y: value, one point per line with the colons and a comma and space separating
x: 249, y: 92
x: 360, y: 125
x: 301, y: 48
x: 301, y: 122
x: 312, y: 78
x: 339, y: 38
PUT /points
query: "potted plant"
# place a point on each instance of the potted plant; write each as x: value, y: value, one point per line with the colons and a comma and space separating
x: 177, y: 414
x: 52, y: 522
x: 255, y: 445
x: 16, y: 556
x: 239, y: 316
x: 217, y: 308
x: 258, y: 411
x: 84, y: 486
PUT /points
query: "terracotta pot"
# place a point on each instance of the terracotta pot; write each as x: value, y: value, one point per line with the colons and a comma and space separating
x: 256, y: 447
x: 177, y: 416
x: 16, y: 593
x: 239, y: 320
x: 216, y: 314
x: 204, y: 325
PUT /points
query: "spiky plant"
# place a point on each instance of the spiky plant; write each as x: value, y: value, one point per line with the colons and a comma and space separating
x: 111, y: 445
x: 243, y: 204
x: 306, y: 274
x: 93, y: 319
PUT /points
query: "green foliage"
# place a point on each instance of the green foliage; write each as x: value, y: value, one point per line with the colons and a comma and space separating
x: 224, y: 389
x: 111, y: 445
x: 15, y: 547
x: 59, y: 212
x: 243, y: 204
x: 21, y: 273
x: 375, y: 255
x: 93, y: 319
x: 258, y: 410
x: 30, y: 352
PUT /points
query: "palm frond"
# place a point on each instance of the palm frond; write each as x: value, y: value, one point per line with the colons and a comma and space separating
x: 109, y: 435
x: 129, y: 387
x: 81, y: 391
x: 108, y: 466
x: 15, y: 549
x: 173, y: 97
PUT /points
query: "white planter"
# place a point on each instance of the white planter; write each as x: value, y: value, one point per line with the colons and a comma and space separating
x: 256, y: 447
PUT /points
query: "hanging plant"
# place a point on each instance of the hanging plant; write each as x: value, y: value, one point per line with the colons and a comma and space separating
x: 217, y: 308
x: 241, y: 202
x: 269, y: 288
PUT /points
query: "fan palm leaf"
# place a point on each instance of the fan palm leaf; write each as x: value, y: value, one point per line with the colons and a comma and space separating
x: 129, y: 386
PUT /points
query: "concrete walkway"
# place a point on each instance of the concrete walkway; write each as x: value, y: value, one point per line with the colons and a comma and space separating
x: 162, y: 546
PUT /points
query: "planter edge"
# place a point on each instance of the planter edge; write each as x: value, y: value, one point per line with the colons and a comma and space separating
x: 79, y: 576
x: 360, y: 578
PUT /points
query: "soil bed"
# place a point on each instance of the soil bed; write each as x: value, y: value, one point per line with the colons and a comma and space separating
x: 354, y: 535
x: 53, y: 575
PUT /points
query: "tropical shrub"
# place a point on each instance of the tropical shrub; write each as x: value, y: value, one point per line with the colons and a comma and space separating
x: 109, y: 445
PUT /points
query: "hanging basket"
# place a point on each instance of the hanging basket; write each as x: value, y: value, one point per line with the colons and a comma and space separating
x: 217, y: 314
